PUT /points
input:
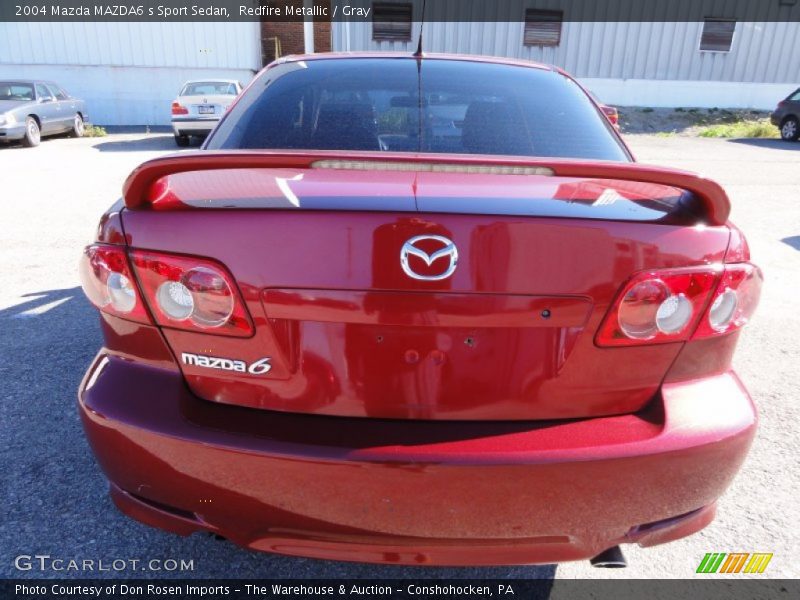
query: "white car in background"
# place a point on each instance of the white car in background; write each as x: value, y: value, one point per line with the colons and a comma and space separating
x: 200, y: 105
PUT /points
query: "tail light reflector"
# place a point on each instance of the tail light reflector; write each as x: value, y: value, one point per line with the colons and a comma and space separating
x: 179, y: 109
x: 191, y: 293
x: 734, y: 301
x: 658, y: 306
x: 108, y: 283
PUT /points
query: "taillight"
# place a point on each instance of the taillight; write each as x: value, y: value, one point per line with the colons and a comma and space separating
x: 677, y: 304
x: 611, y: 113
x: 191, y: 293
x: 734, y: 301
x: 179, y: 109
x: 658, y: 307
x: 108, y: 283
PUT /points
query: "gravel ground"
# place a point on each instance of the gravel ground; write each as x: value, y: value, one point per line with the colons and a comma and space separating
x: 54, y: 494
x: 681, y: 121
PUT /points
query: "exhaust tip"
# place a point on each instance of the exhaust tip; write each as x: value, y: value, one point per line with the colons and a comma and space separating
x: 610, y: 559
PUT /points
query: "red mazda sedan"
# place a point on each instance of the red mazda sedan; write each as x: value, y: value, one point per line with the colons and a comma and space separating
x: 421, y: 310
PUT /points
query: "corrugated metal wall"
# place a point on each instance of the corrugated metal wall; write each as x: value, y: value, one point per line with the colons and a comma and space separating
x: 128, y: 73
x: 761, y: 52
x: 185, y: 45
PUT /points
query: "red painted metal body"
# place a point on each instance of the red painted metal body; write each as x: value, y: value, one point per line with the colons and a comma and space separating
x: 466, y: 420
x: 340, y: 347
x: 412, y: 492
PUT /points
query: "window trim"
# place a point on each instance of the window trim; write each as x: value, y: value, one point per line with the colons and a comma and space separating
x: 396, y: 5
x: 542, y: 11
x: 702, y: 29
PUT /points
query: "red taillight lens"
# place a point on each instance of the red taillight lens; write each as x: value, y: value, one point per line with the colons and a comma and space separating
x: 178, y: 109
x: 191, y: 293
x: 611, y: 113
x: 674, y: 305
x: 734, y: 301
x: 658, y: 307
x: 108, y: 283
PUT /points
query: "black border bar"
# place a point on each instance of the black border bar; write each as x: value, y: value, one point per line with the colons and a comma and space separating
x: 361, y: 10
x: 727, y: 588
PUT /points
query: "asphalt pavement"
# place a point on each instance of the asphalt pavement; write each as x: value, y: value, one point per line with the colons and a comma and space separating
x: 54, y: 495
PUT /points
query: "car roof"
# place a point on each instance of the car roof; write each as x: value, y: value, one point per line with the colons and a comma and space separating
x: 502, y: 60
x: 212, y: 80
x: 26, y: 81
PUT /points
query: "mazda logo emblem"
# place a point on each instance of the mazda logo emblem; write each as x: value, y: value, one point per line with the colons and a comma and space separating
x: 448, y: 250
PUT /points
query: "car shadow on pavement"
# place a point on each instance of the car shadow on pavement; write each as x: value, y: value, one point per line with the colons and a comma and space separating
x: 56, y: 496
x: 18, y: 145
x: 774, y: 144
x: 793, y: 241
x: 150, y: 143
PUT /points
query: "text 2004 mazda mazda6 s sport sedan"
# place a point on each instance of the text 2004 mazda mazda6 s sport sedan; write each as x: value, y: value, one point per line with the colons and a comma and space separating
x: 419, y: 310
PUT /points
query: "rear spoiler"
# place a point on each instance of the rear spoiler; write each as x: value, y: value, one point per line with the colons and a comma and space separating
x: 137, y: 186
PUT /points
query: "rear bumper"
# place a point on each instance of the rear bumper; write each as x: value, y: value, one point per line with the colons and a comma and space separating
x: 194, y: 125
x: 410, y: 492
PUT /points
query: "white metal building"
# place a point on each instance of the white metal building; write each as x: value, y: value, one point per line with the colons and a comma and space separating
x: 129, y: 73
x: 718, y: 62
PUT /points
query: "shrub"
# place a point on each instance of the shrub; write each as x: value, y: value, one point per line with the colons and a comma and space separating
x: 761, y: 128
x: 94, y: 131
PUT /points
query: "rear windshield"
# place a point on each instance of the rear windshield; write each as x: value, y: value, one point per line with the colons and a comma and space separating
x: 11, y: 90
x: 398, y: 105
x: 209, y: 88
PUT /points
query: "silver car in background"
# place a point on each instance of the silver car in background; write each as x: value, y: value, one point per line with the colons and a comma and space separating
x: 200, y: 105
x: 30, y: 109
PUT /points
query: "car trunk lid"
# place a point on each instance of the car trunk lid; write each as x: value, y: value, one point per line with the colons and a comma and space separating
x: 213, y: 105
x: 322, y: 258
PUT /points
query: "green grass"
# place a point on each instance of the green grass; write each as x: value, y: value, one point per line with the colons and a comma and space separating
x: 665, y: 134
x: 94, y: 131
x: 760, y: 128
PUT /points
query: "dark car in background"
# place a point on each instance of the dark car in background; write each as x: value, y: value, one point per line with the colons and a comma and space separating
x: 786, y: 116
x: 32, y: 109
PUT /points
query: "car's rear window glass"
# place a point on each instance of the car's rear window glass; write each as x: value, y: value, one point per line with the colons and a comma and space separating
x: 447, y: 106
x: 209, y: 88
x: 16, y: 91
